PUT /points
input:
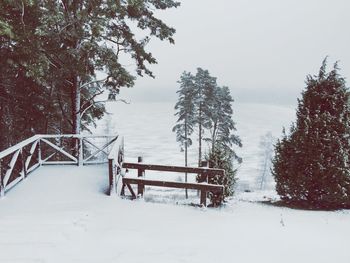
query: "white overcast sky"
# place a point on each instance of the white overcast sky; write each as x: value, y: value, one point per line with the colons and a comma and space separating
x: 261, y: 49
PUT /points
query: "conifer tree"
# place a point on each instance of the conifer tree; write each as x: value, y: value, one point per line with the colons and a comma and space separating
x: 61, y: 45
x: 221, y: 159
x: 203, y: 100
x: 185, y: 114
x: 221, y: 124
x: 311, y: 165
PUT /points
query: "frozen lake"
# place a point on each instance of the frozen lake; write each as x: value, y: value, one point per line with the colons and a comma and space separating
x: 147, y: 128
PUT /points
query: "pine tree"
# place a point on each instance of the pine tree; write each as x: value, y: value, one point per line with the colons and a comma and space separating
x: 185, y: 115
x: 221, y: 124
x: 203, y: 100
x: 61, y: 45
x: 311, y: 165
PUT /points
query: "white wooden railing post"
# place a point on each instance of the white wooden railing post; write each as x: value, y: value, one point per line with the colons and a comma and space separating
x: 81, y: 152
x: 39, y: 153
x: 23, y: 161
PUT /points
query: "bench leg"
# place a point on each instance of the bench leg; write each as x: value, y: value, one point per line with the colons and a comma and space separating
x: 140, y: 189
x: 122, y: 192
x: 203, y: 198
x: 131, y: 191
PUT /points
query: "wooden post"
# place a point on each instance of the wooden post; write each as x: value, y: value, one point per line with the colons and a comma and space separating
x: 202, y: 178
x: 23, y: 162
x: 111, y: 174
x: 81, y: 151
x: 203, y: 200
x: 39, y: 153
x: 140, y: 173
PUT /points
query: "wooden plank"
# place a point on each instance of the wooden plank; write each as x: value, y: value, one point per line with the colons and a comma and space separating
x: 100, y: 150
x: 60, y: 150
x: 140, y: 173
x: 58, y: 162
x: 131, y: 190
x: 24, y: 167
x: 195, y: 186
x: 111, y: 176
x: 12, y: 164
x: 76, y: 135
x: 18, y: 146
x: 43, y: 136
x: 117, y: 148
x: 13, y: 183
x: 93, y: 145
x: 95, y: 162
x: 31, y: 152
x: 203, y: 200
x: 47, y: 158
x: 170, y: 168
x: 33, y: 167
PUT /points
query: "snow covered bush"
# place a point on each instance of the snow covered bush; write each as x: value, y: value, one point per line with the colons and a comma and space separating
x: 311, y: 164
x: 222, y: 159
x: 266, y: 145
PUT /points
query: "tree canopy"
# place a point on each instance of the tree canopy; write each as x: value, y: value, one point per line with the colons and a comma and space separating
x: 311, y: 165
x: 52, y: 50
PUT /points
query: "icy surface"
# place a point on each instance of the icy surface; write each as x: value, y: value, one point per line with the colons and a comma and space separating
x: 147, y: 128
x: 61, y: 214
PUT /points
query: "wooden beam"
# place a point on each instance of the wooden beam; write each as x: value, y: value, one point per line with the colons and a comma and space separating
x: 131, y: 191
x: 195, y: 186
x: 18, y: 146
x: 170, y: 168
x: 203, y: 200
x: 31, y: 152
x: 60, y: 150
x: 100, y: 150
x: 85, y: 140
x: 12, y: 165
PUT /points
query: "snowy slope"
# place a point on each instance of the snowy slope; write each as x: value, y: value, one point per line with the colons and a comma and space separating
x: 61, y: 214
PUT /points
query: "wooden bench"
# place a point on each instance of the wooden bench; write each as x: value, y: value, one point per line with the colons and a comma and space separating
x: 204, y: 172
x: 204, y: 188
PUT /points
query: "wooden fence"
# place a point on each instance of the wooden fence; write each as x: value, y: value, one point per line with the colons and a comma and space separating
x: 203, y: 173
x: 115, y: 162
x: 21, y: 159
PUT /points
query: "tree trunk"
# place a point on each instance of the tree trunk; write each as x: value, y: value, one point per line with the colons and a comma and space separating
x: 76, y: 106
x: 75, y: 98
x: 186, y: 145
x: 200, y: 136
x: 213, y: 139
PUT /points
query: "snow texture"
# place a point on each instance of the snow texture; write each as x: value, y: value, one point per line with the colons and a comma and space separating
x: 62, y: 213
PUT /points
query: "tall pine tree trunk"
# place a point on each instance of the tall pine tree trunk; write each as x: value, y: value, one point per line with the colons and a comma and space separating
x: 76, y: 106
x: 75, y: 98
x: 200, y: 136
x: 186, y: 145
x: 213, y: 138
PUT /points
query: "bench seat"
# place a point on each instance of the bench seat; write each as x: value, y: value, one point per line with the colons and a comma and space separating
x: 204, y: 188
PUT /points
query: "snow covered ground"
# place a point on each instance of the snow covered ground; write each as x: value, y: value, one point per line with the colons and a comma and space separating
x: 62, y: 214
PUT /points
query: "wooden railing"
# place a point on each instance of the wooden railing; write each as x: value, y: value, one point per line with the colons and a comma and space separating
x: 115, y: 163
x: 21, y: 159
x: 204, y: 174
